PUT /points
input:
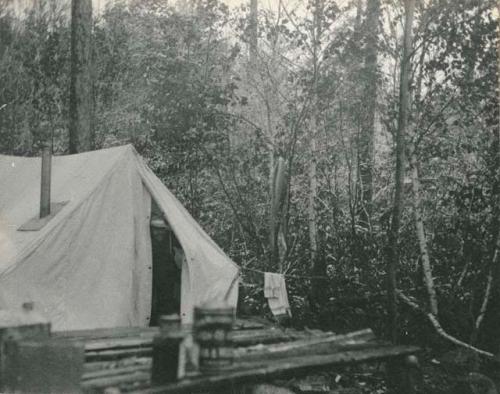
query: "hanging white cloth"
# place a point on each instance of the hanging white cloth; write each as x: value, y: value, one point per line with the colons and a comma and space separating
x: 276, y: 294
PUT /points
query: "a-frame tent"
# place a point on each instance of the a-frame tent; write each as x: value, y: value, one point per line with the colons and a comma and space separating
x: 89, y: 265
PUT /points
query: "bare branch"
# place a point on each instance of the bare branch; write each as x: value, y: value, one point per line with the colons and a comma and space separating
x: 437, y: 326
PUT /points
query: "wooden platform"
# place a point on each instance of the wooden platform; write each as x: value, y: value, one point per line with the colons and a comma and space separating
x: 121, y: 358
x: 257, y: 371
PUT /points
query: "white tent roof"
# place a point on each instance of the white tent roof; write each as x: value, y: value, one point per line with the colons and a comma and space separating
x: 90, y: 265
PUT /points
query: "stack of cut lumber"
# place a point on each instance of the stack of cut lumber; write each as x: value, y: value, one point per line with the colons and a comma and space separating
x: 121, y: 358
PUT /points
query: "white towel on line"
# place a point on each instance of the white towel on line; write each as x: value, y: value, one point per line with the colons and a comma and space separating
x: 276, y: 294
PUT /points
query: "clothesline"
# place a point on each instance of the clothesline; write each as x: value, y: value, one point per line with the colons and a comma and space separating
x: 289, y: 275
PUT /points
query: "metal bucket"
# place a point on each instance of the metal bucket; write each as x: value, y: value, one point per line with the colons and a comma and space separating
x: 212, y: 328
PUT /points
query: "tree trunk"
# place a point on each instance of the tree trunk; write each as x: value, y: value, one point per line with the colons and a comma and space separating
x: 393, y: 236
x: 313, y: 184
x: 422, y: 240
x: 493, y: 277
x: 313, y: 191
x: 272, y: 218
x: 496, y: 144
x: 81, y: 98
x: 370, y: 79
x: 253, y: 28
x: 317, y: 263
x: 278, y: 197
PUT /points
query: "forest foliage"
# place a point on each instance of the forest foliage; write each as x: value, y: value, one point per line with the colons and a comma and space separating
x: 231, y: 111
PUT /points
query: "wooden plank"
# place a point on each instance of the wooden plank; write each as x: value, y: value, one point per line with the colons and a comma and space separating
x: 143, y: 336
x: 302, y: 334
x: 123, y: 332
x: 313, y: 350
x: 356, y: 336
x: 314, y: 345
x: 266, y: 335
x: 111, y: 364
x: 108, y: 333
x: 113, y: 381
x: 257, y: 371
x: 114, y: 354
x: 113, y: 372
x: 118, y: 343
x: 129, y: 339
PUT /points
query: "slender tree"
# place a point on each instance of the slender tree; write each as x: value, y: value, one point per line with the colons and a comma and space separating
x: 81, y: 97
x: 370, y: 81
x: 313, y: 183
x: 393, y: 236
x: 421, y: 236
x: 276, y: 217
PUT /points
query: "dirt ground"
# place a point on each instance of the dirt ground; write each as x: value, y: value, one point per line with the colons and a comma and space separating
x: 442, y: 374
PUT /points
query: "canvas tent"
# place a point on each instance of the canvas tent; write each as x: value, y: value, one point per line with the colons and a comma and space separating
x: 89, y: 266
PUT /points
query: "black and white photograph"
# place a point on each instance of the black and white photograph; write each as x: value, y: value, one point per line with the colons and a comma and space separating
x: 249, y: 196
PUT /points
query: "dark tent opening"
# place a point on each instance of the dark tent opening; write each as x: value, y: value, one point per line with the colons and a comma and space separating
x: 167, y: 264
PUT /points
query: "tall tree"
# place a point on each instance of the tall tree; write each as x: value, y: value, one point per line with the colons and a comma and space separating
x: 317, y: 265
x: 369, y: 78
x: 254, y: 26
x: 393, y: 236
x: 81, y: 97
x: 313, y: 182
